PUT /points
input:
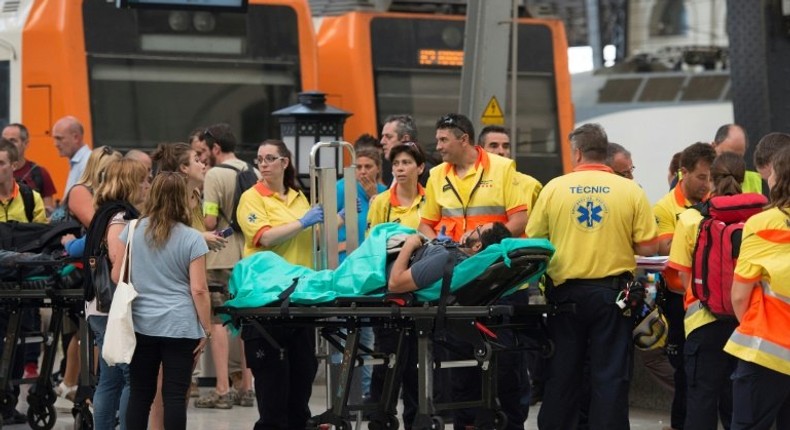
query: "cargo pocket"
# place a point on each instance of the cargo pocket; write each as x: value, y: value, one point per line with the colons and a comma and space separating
x: 691, y: 355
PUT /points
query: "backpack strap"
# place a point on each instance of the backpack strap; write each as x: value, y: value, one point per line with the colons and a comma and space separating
x: 221, y: 212
x: 38, y: 177
x: 28, y: 201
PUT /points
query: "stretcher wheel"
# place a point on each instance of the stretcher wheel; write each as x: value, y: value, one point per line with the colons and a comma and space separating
x: 437, y: 423
x: 42, y: 418
x: 547, y: 351
x: 500, y: 420
x: 389, y: 423
x: 484, y: 353
x: 343, y: 425
x: 83, y: 418
x: 7, y: 402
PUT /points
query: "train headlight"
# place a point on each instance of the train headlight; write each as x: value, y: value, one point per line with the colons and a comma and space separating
x: 204, y: 22
x: 178, y: 20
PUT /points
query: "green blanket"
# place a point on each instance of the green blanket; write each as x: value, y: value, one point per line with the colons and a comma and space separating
x: 259, y: 279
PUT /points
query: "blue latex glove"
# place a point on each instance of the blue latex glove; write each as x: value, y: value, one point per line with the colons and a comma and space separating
x: 312, y: 217
x: 76, y: 247
x: 442, y: 236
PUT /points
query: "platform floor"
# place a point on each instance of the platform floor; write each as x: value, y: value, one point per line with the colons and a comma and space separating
x: 244, y: 418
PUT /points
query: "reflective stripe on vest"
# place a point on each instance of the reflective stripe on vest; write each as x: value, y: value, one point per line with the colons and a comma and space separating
x: 762, y: 337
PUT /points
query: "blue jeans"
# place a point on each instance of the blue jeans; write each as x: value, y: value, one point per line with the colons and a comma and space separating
x: 112, y: 392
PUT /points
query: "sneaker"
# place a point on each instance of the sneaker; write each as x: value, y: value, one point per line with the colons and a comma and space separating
x: 215, y: 401
x: 244, y: 398
x: 65, y: 398
x: 194, y: 390
x: 31, y: 371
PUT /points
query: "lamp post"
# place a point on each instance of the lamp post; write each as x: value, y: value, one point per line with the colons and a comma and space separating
x: 310, y: 121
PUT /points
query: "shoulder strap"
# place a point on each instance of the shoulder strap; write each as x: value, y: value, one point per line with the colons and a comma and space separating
x: 221, y: 212
x: 126, y: 275
x: 28, y: 201
x: 38, y: 178
x: 228, y: 166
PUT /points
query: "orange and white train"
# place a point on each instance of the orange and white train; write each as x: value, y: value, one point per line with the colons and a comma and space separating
x: 137, y: 77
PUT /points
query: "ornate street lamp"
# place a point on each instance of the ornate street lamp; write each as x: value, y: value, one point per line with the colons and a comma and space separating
x: 308, y: 122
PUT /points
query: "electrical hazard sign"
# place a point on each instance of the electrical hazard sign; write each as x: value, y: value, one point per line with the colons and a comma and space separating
x: 492, y: 114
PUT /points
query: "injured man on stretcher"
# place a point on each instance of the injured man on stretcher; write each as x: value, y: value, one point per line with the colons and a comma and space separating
x: 420, y: 262
x: 393, y: 258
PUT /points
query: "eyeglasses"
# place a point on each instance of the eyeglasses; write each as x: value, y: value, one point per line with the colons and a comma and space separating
x: 628, y: 173
x: 409, y: 144
x: 267, y: 160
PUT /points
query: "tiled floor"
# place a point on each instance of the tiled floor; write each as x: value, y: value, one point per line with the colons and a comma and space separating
x: 244, y: 418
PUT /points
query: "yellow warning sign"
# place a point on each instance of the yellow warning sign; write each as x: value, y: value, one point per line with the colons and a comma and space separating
x: 492, y: 114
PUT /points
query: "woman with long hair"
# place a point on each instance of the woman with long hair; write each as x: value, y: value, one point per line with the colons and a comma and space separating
x: 118, y: 200
x: 171, y: 313
x: 275, y: 216
x: 761, y: 301
x: 79, y: 200
x: 180, y: 157
x: 707, y: 366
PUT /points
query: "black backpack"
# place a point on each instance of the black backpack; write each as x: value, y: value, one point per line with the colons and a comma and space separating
x: 245, y: 179
x: 35, y: 237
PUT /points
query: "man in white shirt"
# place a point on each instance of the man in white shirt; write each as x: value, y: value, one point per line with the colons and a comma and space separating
x: 68, y: 135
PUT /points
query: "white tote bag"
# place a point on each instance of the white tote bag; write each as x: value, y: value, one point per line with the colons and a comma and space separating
x: 119, y: 339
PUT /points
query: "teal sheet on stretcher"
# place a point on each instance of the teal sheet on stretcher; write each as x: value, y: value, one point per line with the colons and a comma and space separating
x: 259, y: 279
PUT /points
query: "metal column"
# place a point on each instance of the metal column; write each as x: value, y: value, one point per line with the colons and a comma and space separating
x: 484, y: 75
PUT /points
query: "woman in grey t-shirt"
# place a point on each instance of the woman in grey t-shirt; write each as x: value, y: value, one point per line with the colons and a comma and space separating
x: 171, y: 312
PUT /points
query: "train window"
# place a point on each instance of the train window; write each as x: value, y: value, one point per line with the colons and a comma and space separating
x: 420, y: 75
x: 157, y: 74
x: 5, y: 93
x: 139, y: 103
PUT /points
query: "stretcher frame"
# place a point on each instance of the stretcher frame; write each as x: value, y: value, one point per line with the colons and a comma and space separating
x: 15, y: 297
x: 430, y: 322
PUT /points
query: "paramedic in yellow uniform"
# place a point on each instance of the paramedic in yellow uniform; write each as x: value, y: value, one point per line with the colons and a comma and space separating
x: 471, y: 187
x: 13, y: 205
x: 597, y: 221
x: 517, y: 371
x: 401, y: 203
x: 693, y: 188
x: 496, y: 140
x: 707, y: 366
x: 274, y: 215
x: 761, y: 300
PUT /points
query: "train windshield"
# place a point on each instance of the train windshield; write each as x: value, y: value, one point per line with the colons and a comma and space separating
x: 163, y: 73
x: 421, y: 75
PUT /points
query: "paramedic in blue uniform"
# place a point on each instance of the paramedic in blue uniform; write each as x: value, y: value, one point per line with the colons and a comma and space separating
x: 597, y: 221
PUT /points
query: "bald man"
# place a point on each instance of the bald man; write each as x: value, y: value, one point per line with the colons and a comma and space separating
x: 141, y: 156
x: 68, y: 136
x: 732, y: 138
